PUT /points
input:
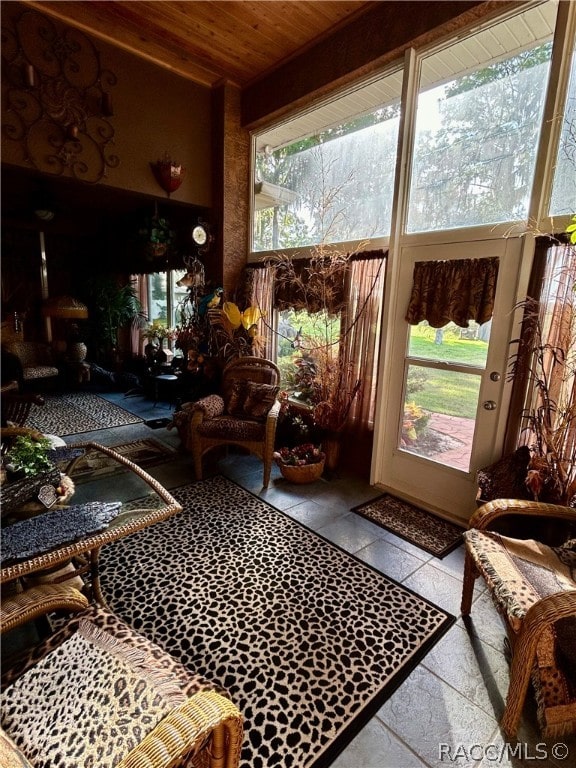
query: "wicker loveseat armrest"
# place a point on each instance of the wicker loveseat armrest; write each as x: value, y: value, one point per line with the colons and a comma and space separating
x: 539, y: 618
x: 37, y: 601
x: 207, y: 724
x: 493, y: 510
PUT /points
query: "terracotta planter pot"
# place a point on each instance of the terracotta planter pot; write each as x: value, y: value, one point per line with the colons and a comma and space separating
x: 307, y: 473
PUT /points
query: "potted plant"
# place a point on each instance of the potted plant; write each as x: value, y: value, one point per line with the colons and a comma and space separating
x: 28, y: 456
x: 157, y: 233
x: 113, y: 305
x: 549, y: 420
x: 301, y: 464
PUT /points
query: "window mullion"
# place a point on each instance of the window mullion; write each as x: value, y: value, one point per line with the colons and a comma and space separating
x: 562, y: 52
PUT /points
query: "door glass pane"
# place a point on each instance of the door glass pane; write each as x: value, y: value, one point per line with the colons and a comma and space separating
x: 464, y: 346
x: 439, y: 415
x: 440, y: 404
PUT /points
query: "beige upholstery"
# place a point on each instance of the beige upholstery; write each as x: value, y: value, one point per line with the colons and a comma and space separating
x: 532, y: 585
x: 162, y: 713
x: 36, y: 360
x: 227, y: 419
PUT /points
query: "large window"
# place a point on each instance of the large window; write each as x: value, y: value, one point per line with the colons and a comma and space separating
x: 476, y: 142
x: 328, y: 175
x: 335, y: 184
x: 564, y: 188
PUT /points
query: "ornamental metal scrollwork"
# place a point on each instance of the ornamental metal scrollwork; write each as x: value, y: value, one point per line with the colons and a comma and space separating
x: 56, y: 99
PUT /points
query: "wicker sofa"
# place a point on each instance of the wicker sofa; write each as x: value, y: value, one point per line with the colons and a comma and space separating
x: 98, y: 693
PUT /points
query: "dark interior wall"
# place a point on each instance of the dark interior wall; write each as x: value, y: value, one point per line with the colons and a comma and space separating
x: 155, y: 112
x: 96, y: 225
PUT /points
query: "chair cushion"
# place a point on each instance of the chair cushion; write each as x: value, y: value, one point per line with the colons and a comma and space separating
x: 88, y: 702
x: 229, y: 428
x: 29, y: 373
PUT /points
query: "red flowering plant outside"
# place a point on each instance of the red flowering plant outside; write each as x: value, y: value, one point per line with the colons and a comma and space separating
x: 306, y: 453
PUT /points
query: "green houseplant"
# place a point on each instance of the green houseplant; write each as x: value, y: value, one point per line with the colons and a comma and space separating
x: 113, y: 305
x: 28, y: 456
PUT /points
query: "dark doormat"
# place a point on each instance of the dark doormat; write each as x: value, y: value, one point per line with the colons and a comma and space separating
x: 431, y: 533
x: 157, y: 423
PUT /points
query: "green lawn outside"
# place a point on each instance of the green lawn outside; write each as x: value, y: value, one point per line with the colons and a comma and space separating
x: 453, y: 394
x: 447, y: 392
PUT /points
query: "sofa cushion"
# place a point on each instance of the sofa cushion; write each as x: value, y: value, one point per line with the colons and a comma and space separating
x: 519, y: 571
x: 88, y: 702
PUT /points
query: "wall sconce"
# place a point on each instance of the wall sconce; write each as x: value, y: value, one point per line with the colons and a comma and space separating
x: 168, y: 174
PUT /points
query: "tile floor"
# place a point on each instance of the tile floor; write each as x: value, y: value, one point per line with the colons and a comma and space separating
x: 446, y: 712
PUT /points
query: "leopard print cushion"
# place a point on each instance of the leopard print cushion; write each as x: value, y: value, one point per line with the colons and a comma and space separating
x: 88, y: 703
x: 259, y: 399
x: 108, y: 621
x: 39, y: 372
x: 235, y: 396
x: 211, y: 406
x: 227, y: 427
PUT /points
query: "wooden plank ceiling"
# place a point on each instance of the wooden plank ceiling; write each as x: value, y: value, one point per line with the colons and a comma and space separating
x: 239, y: 40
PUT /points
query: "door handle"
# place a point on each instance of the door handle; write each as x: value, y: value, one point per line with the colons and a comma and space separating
x: 489, y: 405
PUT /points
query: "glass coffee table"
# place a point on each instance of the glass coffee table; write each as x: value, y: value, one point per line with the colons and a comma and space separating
x: 111, y: 493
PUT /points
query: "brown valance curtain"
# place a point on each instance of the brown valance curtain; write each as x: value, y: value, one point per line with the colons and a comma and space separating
x: 310, y: 284
x: 453, y: 291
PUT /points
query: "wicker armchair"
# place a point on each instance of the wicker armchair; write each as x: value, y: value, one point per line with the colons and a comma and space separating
x: 245, y: 414
x: 15, y: 407
x: 34, y: 362
x: 56, y: 713
x: 531, y: 582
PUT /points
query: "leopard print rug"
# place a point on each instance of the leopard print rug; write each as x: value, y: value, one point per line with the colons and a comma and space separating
x: 308, y: 640
x: 76, y: 412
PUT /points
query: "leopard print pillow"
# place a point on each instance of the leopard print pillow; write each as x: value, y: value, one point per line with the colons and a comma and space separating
x: 259, y: 399
x: 88, y: 703
x: 235, y: 397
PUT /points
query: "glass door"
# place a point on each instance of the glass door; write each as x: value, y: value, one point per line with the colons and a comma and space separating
x: 445, y: 402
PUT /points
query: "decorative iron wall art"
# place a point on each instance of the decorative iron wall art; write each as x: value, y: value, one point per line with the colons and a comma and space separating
x: 57, y: 101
